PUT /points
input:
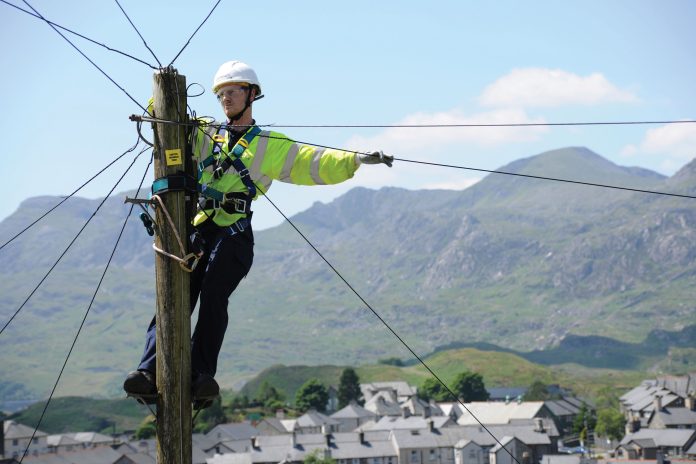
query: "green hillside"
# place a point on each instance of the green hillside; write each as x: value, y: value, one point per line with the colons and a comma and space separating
x: 549, y: 271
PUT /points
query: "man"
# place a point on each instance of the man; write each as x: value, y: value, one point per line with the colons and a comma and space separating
x: 236, y: 163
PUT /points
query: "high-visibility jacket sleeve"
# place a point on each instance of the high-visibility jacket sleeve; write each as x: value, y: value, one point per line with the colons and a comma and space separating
x: 301, y: 164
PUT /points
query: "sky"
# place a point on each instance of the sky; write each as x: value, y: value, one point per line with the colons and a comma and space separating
x: 352, y: 63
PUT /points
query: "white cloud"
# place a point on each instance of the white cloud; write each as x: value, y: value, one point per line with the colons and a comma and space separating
x: 412, y: 141
x: 671, y: 145
x: 540, y: 87
x: 677, y: 140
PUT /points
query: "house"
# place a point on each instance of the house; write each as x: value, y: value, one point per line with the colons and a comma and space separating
x: 468, y: 452
x: 17, y: 438
x: 272, y: 426
x: 564, y: 411
x: 62, y: 444
x: 674, y: 417
x: 509, y: 450
x: 410, y: 423
x: 639, y: 403
x: 315, y: 422
x: 502, y: 413
x: 352, y: 416
x: 398, y: 391
x: 381, y: 406
x: 647, y: 443
x: 92, y: 439
x: 418, y: 407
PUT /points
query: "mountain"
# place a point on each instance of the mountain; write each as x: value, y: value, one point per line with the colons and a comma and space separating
x: 516, y: 262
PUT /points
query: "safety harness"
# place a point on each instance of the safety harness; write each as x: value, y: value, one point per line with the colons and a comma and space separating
x: 235, y: 202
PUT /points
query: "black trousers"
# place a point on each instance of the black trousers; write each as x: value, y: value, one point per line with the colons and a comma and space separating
x: 226, y: 262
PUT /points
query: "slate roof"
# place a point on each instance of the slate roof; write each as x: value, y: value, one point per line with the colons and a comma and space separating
x: 499, y: 394
x: 661, y: 437
x: 313, y: 418
x: 101, y: 455
x: 353, y: 411
x: 682, y: 385
x: 403, y: 389
x: 232, y: 431
x: 409, y: 423
x: 14, y: 430
x: 562, y: 407
x: 381, y: 407
x: 62, y: 440
x: 91, y: 437
x: 675, y: 416
x: 498, y: 413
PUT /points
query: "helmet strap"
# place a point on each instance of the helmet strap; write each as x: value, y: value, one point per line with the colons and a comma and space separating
x: 237, y: 116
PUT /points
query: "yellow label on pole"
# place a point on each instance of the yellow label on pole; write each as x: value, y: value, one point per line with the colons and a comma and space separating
x: 173, y: 157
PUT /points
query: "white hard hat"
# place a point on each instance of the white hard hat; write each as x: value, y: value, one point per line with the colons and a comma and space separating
x: 234, y: 72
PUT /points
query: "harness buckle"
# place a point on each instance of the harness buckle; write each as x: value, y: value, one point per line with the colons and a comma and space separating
x: 218, y: 172
x: 240, y: 204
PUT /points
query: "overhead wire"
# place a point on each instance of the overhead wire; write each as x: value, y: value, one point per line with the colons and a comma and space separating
x: 381, y: 319
x: 86, y: 57
x: 513, y: 124
x: 386, y: 324
x: 65, y: 251
x: 507, y: 173
x: 79, y: 35
x: 194, y: 33
x: 94, y: 295
x: 66, y: 198
x: 139, y: 34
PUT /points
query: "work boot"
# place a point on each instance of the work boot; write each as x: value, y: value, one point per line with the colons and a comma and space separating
x: 140, y: 383
x: 204, y: 386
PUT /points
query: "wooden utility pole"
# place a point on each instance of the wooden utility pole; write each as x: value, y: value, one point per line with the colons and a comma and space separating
x: 173, y: 305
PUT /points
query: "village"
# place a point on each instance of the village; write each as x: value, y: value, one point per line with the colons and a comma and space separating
x: 395, y: 426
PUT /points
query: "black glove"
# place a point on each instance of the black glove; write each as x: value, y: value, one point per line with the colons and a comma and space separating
x: 376, y: 157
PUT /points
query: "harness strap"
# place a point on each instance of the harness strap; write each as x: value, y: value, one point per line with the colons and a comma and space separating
x: 174, y: 183
x: 234, y: 160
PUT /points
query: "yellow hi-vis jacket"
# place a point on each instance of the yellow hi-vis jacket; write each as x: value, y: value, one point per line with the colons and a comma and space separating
x: 270, y: 156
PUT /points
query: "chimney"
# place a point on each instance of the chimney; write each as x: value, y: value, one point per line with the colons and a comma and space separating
x: 361, y: 436
x: 538, y: 424
x: 280, y: 413
x: 327, y: 437
x: 254, y: 442
x: 405, y: 412
x: 431, y: 425
x: 293, y: 440
x: 426, y: 411
x: 690, y: 403
x: 657, y: 403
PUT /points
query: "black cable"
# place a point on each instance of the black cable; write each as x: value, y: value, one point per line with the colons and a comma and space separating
x: 69, y: 196
x: 89, y: 307
x: 569, y: 181
x: 69, y: 245
x: 139, y: 34
x: 79, y: 35
x: 522, y: 124
x: 194, y: 33
x: 451, y: 393
x: 86, y: 57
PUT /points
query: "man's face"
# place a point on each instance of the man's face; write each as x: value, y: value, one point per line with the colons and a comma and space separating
x: 233, y: 97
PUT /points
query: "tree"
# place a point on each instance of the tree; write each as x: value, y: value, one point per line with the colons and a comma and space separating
x: 268, y: 395
x: 610, y: 423
x: 312, y: 395
x: 431, y: 388
x: 210, y: 417
x: 313, y: 458
x: 147, y: 429
x: 348, y: 387
x: 469, y: 387
x: 584, y: 422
